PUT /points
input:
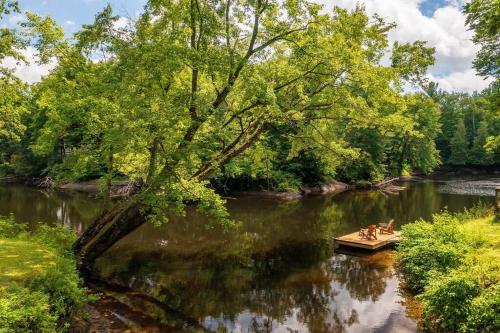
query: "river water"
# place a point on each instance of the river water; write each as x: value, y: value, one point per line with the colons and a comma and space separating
x: 278, y: 271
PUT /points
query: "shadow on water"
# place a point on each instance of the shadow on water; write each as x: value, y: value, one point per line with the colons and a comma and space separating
x: 277, y: 271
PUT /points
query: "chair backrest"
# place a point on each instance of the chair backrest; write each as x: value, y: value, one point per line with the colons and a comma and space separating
x: 390, y: 225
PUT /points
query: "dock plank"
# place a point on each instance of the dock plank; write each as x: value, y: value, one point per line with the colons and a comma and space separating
x: 354, y: 240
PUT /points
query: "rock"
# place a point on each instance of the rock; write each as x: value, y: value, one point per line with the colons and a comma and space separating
x: 285, y: 196
x: 118, y: 189
x: 325, y: 188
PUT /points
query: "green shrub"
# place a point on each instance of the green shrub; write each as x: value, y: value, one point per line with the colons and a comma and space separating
x: 39, y: 300
x: 10, y: 228
x: 452, y: 262
x: 57, y: 237
x: 62, y: 285
x: 430, y: 248
x: 447, y: 301
x: 480, y: 209
x: 24, y: 310
x: 485, y: 312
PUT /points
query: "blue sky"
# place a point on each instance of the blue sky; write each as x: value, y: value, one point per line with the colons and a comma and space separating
x: 440, y: 22
x: 73, y: 13
x: 428, y: 7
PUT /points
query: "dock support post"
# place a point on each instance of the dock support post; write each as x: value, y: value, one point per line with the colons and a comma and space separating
x: 497, y: 202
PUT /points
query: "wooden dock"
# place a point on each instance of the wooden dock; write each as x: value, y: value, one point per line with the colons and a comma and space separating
x: 354, y: 240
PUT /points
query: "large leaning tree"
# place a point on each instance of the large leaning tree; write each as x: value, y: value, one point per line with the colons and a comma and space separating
x: 176, y: 95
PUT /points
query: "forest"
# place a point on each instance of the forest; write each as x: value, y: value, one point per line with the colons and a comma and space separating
x: 302, y: 98
x: 195, y: 99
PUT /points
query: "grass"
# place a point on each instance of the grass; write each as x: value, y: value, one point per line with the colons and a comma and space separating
x: 40, y: 289
x: 21, y: 260
x: 484, y: 231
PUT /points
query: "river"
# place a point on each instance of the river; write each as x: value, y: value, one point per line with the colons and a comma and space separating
x: 278, y: 271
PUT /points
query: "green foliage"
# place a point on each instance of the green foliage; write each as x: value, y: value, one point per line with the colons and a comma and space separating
x: 430, y: 249
x: 453, y: 264
x: 467, y: 123
x: 42, y: 286
x: 9, y: 228
x: 279, y: 95
x: 478, y: 151
x: 458, y: 145
x: 46, y: 33
x: 412, y: 60
x: 492, y: 147
x: 24, y: 310
x: 448, y: 301
x: 484, y: 310
x: 483, y: 17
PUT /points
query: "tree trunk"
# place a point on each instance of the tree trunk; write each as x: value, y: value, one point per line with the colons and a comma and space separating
x: 112, y: 226
x: 153, y: 157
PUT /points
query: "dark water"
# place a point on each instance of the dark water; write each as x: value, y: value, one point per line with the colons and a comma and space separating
x: 278, y: 271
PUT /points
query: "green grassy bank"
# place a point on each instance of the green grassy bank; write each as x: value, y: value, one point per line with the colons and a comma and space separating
x: 40, y: 290
x: 452, y: 264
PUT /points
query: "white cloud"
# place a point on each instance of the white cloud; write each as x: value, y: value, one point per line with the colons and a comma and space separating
x: 445, y: 30
x: 466, y: 81
x: 31, y: 71
x: 122, y: 22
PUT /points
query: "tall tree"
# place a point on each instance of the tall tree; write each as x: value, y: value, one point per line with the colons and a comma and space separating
x: 193, y: 85
x: 478, y: 152
x: 483, y: 16
x: 12, y: 96
x: 459, y: 145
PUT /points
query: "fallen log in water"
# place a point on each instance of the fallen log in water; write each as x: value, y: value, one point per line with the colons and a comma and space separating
x: 386, y: 182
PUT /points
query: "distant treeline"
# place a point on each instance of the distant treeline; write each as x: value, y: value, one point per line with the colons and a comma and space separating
x: 165, y: 99
x: 448, y: 129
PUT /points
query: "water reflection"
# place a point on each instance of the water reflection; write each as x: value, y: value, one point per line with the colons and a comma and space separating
x: 277, y: 272
x: 294, y: 288
x: 32, y: 205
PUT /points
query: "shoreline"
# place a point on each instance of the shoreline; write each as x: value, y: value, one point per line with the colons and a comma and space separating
x: 120, y: 189
x: 123, y: 188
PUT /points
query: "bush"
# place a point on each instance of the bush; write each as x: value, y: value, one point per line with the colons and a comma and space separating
x: 427, y: 249
x: 39, y: 300
x: 9, y: 228
x: 447, y: 301
x: 484, y: 315
x: 24, y: 310
x: 452, y: 262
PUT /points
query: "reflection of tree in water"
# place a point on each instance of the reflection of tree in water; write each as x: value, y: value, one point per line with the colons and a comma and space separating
x: 257, y: 325
x: 292, y: 280
x: 72, y: 209
x: 277, y: 264
x: 363, y: 280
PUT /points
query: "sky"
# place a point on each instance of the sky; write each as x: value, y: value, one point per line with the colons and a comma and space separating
x: 439, y: 22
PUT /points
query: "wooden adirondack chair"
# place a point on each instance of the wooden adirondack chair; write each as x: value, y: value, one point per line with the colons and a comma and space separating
x: 370, y: 233
x: 387, y: 229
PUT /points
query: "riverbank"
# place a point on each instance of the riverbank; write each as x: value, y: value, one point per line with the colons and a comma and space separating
x: 40, y: 289
x: 119, y: 188
x: 125, y: 188
x: 453, y: 265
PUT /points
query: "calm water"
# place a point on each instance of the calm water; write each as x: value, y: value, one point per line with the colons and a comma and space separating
x: 278, y: 271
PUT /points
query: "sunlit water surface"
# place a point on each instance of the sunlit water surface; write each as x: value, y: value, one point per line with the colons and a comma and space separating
x: 278, y: 271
